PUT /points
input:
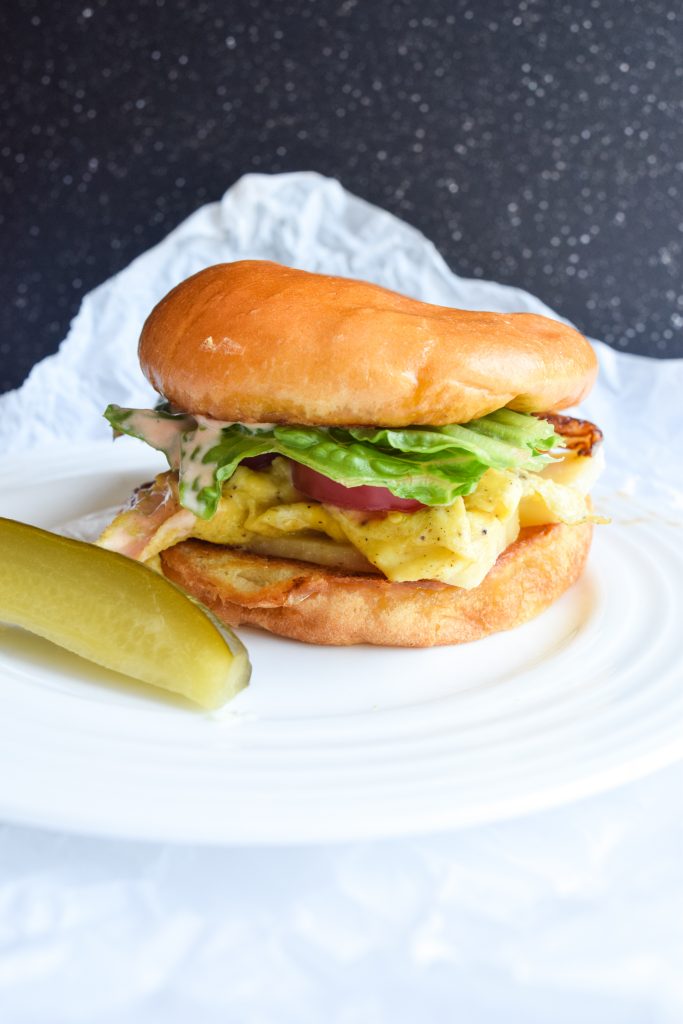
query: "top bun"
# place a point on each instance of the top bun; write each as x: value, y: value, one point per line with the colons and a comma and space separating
x: 257, y: 342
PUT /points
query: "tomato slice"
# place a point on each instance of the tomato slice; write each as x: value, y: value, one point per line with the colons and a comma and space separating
x: 374, y: 499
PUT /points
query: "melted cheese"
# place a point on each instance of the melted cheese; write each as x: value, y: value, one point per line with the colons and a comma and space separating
x: 457, y: 544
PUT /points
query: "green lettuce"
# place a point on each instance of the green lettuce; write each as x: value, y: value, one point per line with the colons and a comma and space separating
x: 433, y: 465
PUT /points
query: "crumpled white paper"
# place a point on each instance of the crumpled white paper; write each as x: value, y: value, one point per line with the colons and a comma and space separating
x: 308, y: 221
x: 575, y: 914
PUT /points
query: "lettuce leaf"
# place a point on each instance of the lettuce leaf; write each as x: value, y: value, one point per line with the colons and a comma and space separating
x: 433, y: 465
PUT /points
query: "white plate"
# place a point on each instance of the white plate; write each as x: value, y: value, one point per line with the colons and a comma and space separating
x: 331, y: 743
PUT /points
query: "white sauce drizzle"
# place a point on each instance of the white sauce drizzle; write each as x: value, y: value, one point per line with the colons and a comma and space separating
x: 186, y: 441
x: 162, y: 434
x: 195, y: 473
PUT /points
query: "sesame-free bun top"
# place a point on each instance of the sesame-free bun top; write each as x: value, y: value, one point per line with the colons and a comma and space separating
x: 254, y: 341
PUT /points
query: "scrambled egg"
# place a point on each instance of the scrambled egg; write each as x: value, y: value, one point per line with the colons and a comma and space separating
x: 457, y: 544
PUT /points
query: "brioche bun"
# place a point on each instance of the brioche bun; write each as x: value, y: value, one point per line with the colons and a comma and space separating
x: 254, y: 341
x: 321, y: 606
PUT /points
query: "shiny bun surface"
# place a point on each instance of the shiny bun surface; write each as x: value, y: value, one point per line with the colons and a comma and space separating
x: 254, y: 341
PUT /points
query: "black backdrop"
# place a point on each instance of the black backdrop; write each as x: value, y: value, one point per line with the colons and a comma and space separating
x: 537, y: 143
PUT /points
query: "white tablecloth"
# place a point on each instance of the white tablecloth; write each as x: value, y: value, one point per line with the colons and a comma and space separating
x: 572, y: 915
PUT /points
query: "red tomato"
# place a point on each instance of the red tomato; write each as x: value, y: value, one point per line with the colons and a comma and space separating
x: 321, y: 488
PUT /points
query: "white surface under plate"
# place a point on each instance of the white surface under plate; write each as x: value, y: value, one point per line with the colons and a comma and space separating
x: 335, y: 743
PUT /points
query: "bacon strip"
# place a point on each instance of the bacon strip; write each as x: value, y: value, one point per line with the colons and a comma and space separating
x: 581, y: 436
x: 151, y: 508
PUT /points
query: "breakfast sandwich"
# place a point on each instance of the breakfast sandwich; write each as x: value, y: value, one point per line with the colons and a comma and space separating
x: 350, y: 465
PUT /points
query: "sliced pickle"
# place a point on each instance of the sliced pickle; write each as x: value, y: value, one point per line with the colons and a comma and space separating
x: 118, y: 613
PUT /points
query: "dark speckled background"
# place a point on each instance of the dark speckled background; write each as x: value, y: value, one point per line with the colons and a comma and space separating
x: 536, y: 143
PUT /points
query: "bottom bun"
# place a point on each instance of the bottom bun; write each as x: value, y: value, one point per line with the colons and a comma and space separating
x: 325, y: 606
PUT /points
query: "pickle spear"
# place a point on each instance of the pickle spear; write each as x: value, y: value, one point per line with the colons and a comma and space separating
x: 118, y: 613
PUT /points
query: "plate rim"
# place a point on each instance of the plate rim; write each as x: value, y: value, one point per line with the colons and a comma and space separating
x: 63, y: 461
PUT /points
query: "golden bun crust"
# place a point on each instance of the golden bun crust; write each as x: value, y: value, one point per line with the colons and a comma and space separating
x: 254, y: 341
x: 324, y: 606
